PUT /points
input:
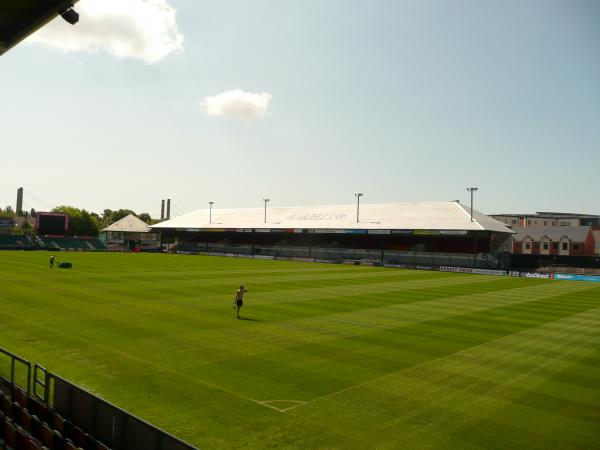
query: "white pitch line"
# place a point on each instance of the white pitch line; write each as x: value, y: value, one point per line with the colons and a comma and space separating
x: 461, y: 352
x: 148, y: 362
x: 267, y: 403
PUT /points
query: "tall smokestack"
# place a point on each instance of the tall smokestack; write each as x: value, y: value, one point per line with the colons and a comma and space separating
x: 168, y: 208
x: 162, y: 210
x: 19, y: 207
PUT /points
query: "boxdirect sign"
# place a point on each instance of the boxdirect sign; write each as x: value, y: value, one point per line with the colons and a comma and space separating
x: 532, y: 275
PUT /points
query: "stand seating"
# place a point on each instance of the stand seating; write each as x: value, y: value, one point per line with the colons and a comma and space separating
x: 27, y: 424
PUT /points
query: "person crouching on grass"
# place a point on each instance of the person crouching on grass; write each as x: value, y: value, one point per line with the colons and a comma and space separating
x: 239, y: 299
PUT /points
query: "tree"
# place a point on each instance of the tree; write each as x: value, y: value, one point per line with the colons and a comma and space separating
x: 81, y: 222
x: 109, y: 216
x: 121, y: 213
x: 106, y: 217
x: 145, y: 217
x: 97, y: 220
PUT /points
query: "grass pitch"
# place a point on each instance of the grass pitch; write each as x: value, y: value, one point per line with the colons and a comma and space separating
x: 330, y: 356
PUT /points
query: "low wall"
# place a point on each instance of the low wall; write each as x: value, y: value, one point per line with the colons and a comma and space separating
x: 455, y: 269
x: 532, y: 262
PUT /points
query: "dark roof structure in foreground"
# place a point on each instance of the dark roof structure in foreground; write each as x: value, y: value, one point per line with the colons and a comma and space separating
x: 20, y: 18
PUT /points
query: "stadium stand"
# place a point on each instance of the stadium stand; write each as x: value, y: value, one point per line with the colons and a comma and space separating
x: 430, y: 234
x: 66, y: 417
x: 26, y: 423
x: 17, y: 242
x: 436, y: 251
x: 71, y: 243
x: 14, y: 242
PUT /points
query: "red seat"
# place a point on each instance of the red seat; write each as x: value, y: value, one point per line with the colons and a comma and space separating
x: 10, y: 434
x: 6, y: 406
x: 69, y: 445
x: 57, y: 440
x: 22, y: 438
x: 36, y: 427
x: 79, y: 436
x: 20, y: 397
x: 25, y: 420
x: 33, y: 445
x: 47, y: 437
x: 58, y: 423
x: 101, y: 446
x: 16, y: 411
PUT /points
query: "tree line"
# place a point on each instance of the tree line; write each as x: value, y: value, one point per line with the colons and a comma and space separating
x: 81, y: 222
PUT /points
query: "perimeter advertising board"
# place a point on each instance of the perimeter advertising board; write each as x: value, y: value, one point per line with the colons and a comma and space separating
x: 575, y: 277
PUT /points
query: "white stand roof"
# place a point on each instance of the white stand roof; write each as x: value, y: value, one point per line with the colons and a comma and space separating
x: 389, y: 216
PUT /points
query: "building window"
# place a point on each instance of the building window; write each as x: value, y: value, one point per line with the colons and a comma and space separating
x: 545, y: 222
x: 545, y: 244
x: 528, y: 245
x: 565, y: 246
x: 555, y: 245
x: 528, y: 222
x: 576, y: 247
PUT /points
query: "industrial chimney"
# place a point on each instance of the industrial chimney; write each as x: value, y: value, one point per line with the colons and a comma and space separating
x: 162, y: 210
x: 19, y: 208
x: 168, y: 208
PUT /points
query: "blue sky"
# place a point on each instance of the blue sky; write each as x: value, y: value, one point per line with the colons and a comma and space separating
x: 404, y: 101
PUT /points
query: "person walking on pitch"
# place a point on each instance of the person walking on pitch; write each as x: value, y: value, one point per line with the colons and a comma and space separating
x: 239, y: 299
x: 51, y: 261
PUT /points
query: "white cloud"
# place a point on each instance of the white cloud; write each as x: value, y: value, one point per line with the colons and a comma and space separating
x: 239, y: 104
x: 140, y: 29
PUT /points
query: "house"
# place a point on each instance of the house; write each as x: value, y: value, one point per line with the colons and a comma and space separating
x: 558, y: 240
x: 130, y: 233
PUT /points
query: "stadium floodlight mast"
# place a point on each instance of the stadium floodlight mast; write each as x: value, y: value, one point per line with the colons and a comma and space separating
x: 358, y: 196
x: 471, y: 190
x: 210, y: 211
x: 266, y: 200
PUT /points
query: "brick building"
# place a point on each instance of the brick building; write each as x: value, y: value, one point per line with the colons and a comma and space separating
x: 547, y: 219
x: 557, y: 240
